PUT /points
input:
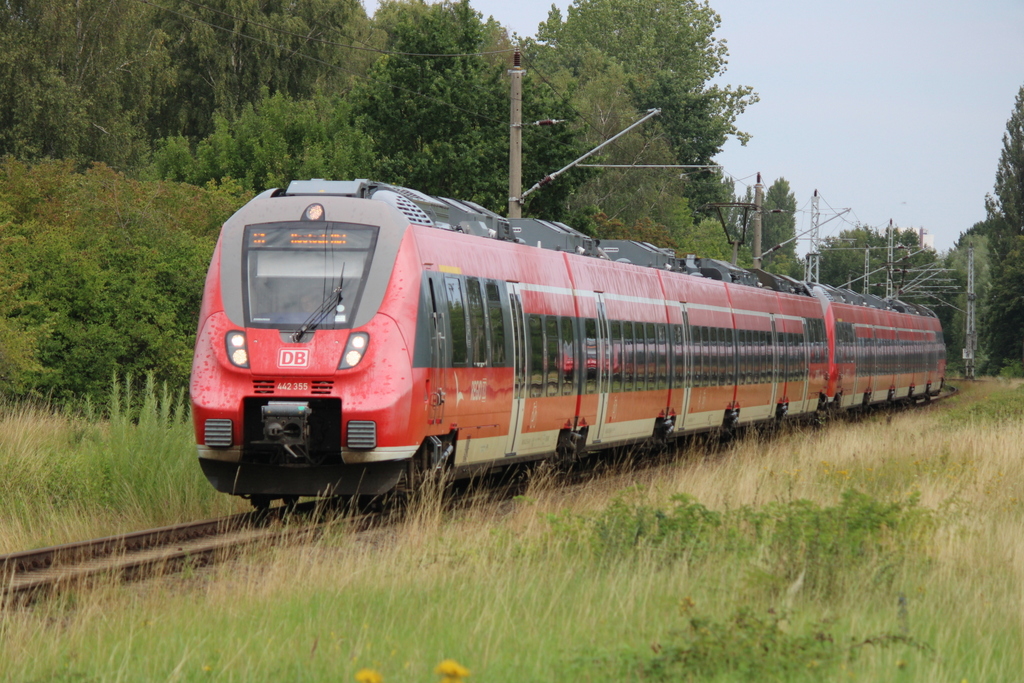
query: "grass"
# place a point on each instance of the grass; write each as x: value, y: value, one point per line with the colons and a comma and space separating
x: 886, y: 550
x: 69, y: 474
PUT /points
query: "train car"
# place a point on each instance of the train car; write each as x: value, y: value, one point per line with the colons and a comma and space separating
x: 356, y: 336
x: 881, y: 350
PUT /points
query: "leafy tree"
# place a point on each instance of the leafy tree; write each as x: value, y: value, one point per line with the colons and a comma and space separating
x: 269, y: 144
x: 78, y: 80
x: 634, y: 55
x: 842, y: 260
x: 1003, y: 330
x: 111, y: 272
x: 226, y: 54
x: 439, y: 123
x: 778, y: 226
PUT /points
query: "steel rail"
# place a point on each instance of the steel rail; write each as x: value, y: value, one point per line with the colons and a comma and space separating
x: 141, y: 553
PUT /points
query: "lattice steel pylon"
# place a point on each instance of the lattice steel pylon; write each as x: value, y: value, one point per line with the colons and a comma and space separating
x: 814, y: 253
x: 889, y: 262
x: 971, y: 336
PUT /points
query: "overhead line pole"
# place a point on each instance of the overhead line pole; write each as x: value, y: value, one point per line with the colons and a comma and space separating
x: 756, y: 244
x: 515, y: 141
x: 971, y: 338
x: 814, y: 253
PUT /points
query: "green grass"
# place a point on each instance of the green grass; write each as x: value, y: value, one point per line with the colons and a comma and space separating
x: 70, y: 473
x: 884, y: 550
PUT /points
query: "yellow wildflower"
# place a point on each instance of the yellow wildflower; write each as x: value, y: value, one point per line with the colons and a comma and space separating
x: 369, y: 676
x: 452, y: 671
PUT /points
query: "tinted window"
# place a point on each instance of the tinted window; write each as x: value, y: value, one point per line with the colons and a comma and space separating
x: 536, y: 357
x: 568, y: 357
x: 554, y: 358
x: 457, y: 320
x: 477, y: 328
x: 496, y: 320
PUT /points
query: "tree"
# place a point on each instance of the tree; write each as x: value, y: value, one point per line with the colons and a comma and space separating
x: 226, y: 54
x: 778, y: 226
x: 78, y: 80
x: 1003, y: 331
x: 628, y: 56
x: 111, y: 273
x: 438, y: 121
x: 271, y: 143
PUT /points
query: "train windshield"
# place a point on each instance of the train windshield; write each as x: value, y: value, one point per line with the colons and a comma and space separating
x: 297, y: 271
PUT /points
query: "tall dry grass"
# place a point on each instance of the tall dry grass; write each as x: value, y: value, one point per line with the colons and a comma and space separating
x: 72, y: 472
x: 519, y: 590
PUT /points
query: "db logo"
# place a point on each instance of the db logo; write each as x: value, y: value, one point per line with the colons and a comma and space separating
x: 293, y: 358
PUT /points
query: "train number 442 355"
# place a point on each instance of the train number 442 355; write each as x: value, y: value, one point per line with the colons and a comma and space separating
x: 293, y: 386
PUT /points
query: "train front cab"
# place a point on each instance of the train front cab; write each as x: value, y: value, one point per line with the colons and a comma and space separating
x: 283, y: 415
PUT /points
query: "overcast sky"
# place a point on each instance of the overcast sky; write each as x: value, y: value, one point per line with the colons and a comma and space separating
x: 893, y: 108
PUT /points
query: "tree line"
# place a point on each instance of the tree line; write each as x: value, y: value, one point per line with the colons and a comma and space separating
x: 130, y: 129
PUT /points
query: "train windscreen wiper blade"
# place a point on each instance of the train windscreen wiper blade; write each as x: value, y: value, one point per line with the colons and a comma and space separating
x: 329, y: 303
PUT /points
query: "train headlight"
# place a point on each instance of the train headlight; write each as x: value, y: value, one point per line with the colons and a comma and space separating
x: 313, y: 212
x: 354, y: 350
x: 238, y: 352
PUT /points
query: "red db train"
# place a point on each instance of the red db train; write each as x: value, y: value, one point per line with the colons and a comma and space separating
x: 355, y: 336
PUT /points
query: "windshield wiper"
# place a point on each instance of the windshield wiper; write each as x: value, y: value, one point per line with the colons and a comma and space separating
x: 329, y: 303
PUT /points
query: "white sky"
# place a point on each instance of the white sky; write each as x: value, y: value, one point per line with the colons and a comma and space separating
x: 893, y: 108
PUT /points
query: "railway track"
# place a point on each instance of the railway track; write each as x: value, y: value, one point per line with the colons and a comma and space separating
x: 24, y: 575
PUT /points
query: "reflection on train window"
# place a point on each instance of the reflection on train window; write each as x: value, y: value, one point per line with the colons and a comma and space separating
x: 496, y: 321
x: 567, y: 361
x: 536, y: 335
x: 553, y: 361
x: 662, y: 356
x: 652, y: 356
x: 678, y: 359
x: 628, y: 357
x: 519, y: 345
x: 617, y: 355
x: 477, y: 328
x: 457, y: 320
x: 590, y: 355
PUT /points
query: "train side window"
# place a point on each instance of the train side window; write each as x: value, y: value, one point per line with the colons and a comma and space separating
x: 765, y: 360
x: 457, y: 320
x: 591, y: 360
x: 567, y: 359
x: 712, y: 347
x: 695, y: 355
x: 652, y: 356
x: 730, y: 357
x: 662, y: 333
x: 705, y: 355
x: 477, y: 326
x: 519, y: 344
x: 552, y: 371
x: 678, y: 357
x: 639, y: 358
x: 616, y: 359
x: 628, y: 356
x: 496, y: 321
x: 536, y: 357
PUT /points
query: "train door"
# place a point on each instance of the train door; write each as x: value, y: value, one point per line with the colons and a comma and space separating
x: 803, y: 339
x: 603, y: 361
x: 519, y: 355
x: 776, y: 352
x: 438, y: 349
x: 682, y: 377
